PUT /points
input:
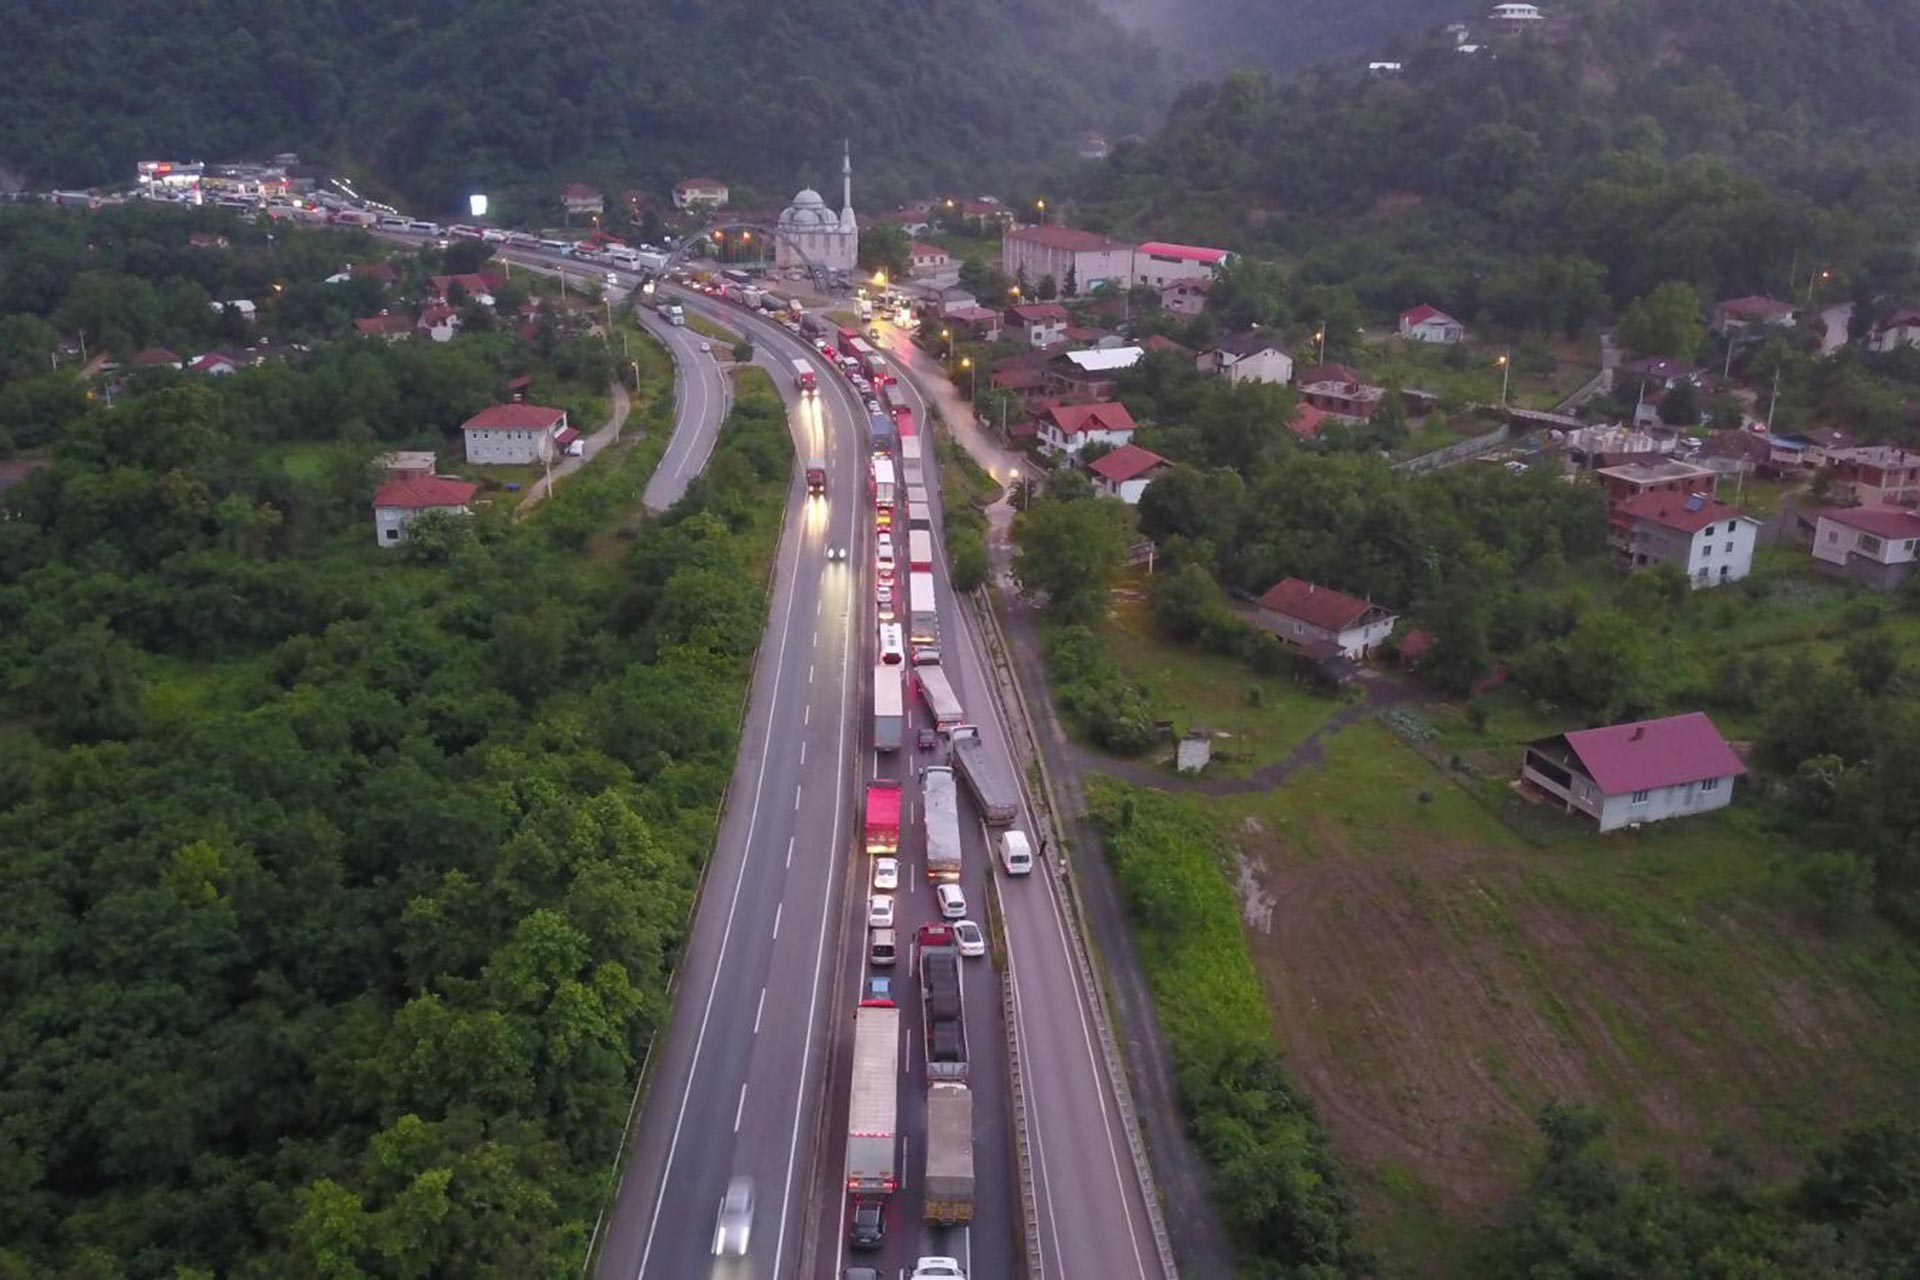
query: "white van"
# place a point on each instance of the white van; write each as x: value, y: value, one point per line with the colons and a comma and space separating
x: 1016, y: 855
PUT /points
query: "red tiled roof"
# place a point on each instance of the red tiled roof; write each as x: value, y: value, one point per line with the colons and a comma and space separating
x: 425, y: 491
x: 384, y: 272
x: 689, y: 184
x: 1070, y: 239
x: 1128, y: 462
x: 1183, y: 252
x: 1072, y: 419
x: 1319, y: 606
x: 434, y: 315
x: 513, y: 417
x: 1625, y: 758
x: 565, y: 437
x: 1329, y: 372
x: 1307, y: 420
x: 474, y: 282
x: 1415, y: 643
x: 1688, y: 513
x: 917, y: 250
x: 1161, y: 342
x: 579, y: 191
x: 1755, y: 308
x: 156, y: 357
x: 1038, y: 312
x: 1423, y: 313
x: 386, y: 323
x: 1880, y: 521
x: 1907, y: 318
x: 213, y: 358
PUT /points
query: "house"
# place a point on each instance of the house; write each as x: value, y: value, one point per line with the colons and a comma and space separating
x: 1876, y: 475
x: 1077, y: 260
x: 1734, y: 451
x: 1516, y: 14
x: 206, y: 240
x: 381, y: 272
x: 1338, y: 389
x: 440, y: 323
x: 1874, y: 546
x: 389, y: 325
x: 1092, y: 145
x: 513, y: 434
x: 1038, y: 324
x: 1185, y: 297
x: 927, y: 259
x: 478, y: 286
x: 1161, y: 342
x: 701, y: 193
x: 1023, y: 375
x: 1126, y: 472
x: 1632, y: 479
x: 982, y: 324
x: 1741, y: 314
x: 1626, y: 774
x: 157, y: 358
x: 1069, y: 428
x: 945, y: 301
x: 1430, y: 324
x: 1902, y: 329
x: 914, y: 219
x: 1158, y: 264
x: 578, y: 197
x: 398, y: 503
x: 1249, y: 357
x: 247, y: 310
x: 217, y: 364
x: 1650, y: 378
x: 1305, y: 613
x: 1708, y: 540
x: 1307, y: 421
x: 408, y: 464
x: 1091, y: 375
x: 978, y: 216
x: 1808, y: 451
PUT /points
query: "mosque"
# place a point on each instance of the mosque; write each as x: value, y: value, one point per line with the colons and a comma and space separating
x: 812, y: 235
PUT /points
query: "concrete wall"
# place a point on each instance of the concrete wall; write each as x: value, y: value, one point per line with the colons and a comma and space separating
x: 509, y: 448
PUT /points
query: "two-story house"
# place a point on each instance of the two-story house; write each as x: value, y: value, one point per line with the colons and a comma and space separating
x: 691, y: 193
x: 1038, y: 324
x: 513, y: 434
x: 1709, y: 541
x: 1876, y: 475
x: 1874, y: 546
x: 1625, y: 774
x: 1248, y: 357
x: 1309, y: 615
x: 1069, y: 428
x: 399, y: 502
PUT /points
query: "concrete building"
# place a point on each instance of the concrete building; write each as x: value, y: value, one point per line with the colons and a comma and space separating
x: 928, y: 259
x: 1185, y: 297
x: 1709, y: 541
x: 707, y: 193
x: 1876, y: 475
x: 1126, y: 472
x: 1626, y: 774
x: 1874, y: 546
x: 1248, y: 357
x: 1069, y: 428
x: 1038, y: 324
x: 811, y: 235
x: 1339, y: 391
x: 1902, y: 329
x: 398, y: 503
x: 1633, y: 479
x: 513, y: 434
x: 1159, y: 264
x: 579, y: 198
x: 1088, y: 258
x: 1430, y: 324
x: 1739, y: 314
x: 1309, y: 615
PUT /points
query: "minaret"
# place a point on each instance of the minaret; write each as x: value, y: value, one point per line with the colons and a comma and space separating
x: 846, y: 177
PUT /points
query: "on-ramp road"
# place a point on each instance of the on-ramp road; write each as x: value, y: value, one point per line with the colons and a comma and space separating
x: 701, y: 396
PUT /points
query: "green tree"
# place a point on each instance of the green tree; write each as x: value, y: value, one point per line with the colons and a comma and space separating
x: 1069, y: 551
x: 1049, y: 288
x: 885, y: 247
x: 1665, y: 322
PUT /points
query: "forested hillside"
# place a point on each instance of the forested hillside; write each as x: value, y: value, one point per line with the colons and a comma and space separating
x: 1283, y: 35
x: 440, y: 99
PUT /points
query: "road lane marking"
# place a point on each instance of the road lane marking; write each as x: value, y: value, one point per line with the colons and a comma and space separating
x: 776, y: 918
x: 796, y: 797
x: 789, y: 850
x: 806, y: 717
x: 759, y: 1009
x: 803, y: 751
x: 740, y: 1107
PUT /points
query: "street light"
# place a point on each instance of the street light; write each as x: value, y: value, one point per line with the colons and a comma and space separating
x: 973, y: 378
x: 1506, y: 372
x: 946, y: 340
x: 1041, y: 205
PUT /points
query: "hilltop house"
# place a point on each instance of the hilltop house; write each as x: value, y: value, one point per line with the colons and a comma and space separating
x: 514, y: 434
x: 1709, y: 541
x: 1874, y: 546
x: 1626, y: 774
x: 1308, y: 615
x: 1430, y: 324
x: 1126, y: 472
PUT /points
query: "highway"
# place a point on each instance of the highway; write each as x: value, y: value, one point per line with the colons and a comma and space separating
x: 702, y: 393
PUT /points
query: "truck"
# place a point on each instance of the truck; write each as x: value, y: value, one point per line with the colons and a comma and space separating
x: 676, y: 315
x: 991, y: 785
x: 923, y: 614
x: 942, y: 1000
x: 880, y: 433
x: 883, y: 818
x: 940, y: 812
x: 804, y: 380
x: 903, y: 422
x: 919, y: 518
x: 880, y: 475
x: 937, y: 692
x: 889, y: 708
x: 816, y: 476
x: 949, y: 1182
x: 872, y: 1133
x: 919, y: 547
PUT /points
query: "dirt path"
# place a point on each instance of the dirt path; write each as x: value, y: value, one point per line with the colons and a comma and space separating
x: 609, y: 432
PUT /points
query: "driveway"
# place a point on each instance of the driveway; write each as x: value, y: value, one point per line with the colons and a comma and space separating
x: 609, y: 432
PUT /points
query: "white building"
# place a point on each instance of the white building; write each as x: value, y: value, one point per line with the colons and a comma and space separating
x: 1084, y: 260
x: 1069, y: 428
x: 1307, y: 614
x: 1038, y: 324
x: 513, y: 434
x: 1874, y: 546
x: 811, y: 235
x: 1626, y: 774
x: 1248, y: 357
x: 1709, y: 541
x: 398, y: 503
x: 1430, y: 324
x: 1518, y: 14
x: 708, y: 192
x: 1126, y: 472
x: 1902, y: 329
x: 1159, y: 263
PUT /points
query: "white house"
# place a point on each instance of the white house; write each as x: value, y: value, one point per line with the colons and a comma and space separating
x: 440, y: 323
x: 1902, y: 329
x: 1430, y: 324
x: 1709, y: 541
x: 513, y: 434
x: 1626, y: 774
x: 709, y: 192
x: 1126, y: 472
x: 247, y: 310
x: 1083, y: 259
x: 1159, y: 264
x: 1038, y: 324
x: 1069, y: 428
x: 1248, y: 357
x: 1521, y: 14
x: 927, y: 259
x: 1308, y: 614
x: 1874, y: 546
x: 398, y: 503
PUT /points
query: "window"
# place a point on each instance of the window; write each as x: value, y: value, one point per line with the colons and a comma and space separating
x: 1709, y: 531
x: 393, y: 535
x: 1640, y: 797
x: 1710, y: 784
x: 1728, y: 548
x: 1833, y: 535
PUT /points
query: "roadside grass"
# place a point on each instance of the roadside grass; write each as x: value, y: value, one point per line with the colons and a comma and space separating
x: 709, y: 329
x: 1476, y: 376
x: 1438, y: 431
x: 1436, y: 977
x: 962, y: 480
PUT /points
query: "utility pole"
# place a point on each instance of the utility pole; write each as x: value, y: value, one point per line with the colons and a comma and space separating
x: 1773, y: 400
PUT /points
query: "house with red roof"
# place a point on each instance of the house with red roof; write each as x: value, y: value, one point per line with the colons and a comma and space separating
x: 1430, y: 324
x: 1902, y: 329
x: 1874, y: 546
x: 1626, y: 774
x: 1038, y: 324
x: 709, y: 193
x: 216, y: 364
x: 388, y: 324
x: 927, y: 259
x: 1876, y: 475
x: 513, y: 434
x: 399, y: 502
x: 1159, y: 264
x: 1307, y: 420
x: 440, y: 323
x: 1069, y: 428
x: 1126, y: 472
x: 1087, y: 257
x: 1312, y: 616
x: 578, y: 197
x: 478, y: 286
x: 156, y: 358
x: 1738, y: 314
x: 1706, y: 539
x: 378, y: 272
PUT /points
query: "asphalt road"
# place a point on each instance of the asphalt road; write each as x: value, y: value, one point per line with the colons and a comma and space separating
x: 701, y: 396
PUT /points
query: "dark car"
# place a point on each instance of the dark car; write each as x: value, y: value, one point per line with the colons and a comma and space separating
x: 869, y: 1225
x: 879, y: 990
x: 859, y: 1273
x: 928, y: 739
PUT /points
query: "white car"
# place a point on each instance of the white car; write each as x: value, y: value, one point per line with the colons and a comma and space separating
x: 967, y: 936
x: 735, y: 1222
x: 880, y: 911
x: 953, y: 903
x: 933, y: 1268
x: 883, y: 601
x: 886, y: 873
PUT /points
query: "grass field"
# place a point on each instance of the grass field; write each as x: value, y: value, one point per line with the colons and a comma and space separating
x: 1435, y: 978
x: 1476, y: 376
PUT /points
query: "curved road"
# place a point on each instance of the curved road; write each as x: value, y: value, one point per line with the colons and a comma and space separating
x: 702, y: 393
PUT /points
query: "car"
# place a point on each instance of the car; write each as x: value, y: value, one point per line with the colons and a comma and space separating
x: 883, y: 546
x: 1016, y: 853
x: 859, y: 1273
x: 891, y: 653
x: 706, y: 348
x: 883, y: 601
x: 878, y: 990
x: 880, y: 911
x: 873, y: 406
x: 867, y: 1225
x: 873, y: 333
x: 736, y: 1219
x: 953, y: 902
x: 886, y: 873
x: 967, y: 935
x: 613, y: 279
x: 938, y: 1268
x: 836, y: 553
x: 935, y: 934
x: 926, y: 655
x: 927, y: 740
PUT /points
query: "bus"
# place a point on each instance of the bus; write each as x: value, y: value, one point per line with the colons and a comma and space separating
x: 736, y: 275
x: 803, y: 377
x: 846, y: 338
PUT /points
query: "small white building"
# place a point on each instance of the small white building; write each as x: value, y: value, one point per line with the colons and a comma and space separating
x: 1158, y: 263
x: 1517, y: 14
x: 398, y: 503
x: 1430, y: 324
x: 513, y: 434
x: 1126, y: 472
x: 441, y: 323
x: 928, y: 259
x: 1248, y: 357
x: 709, y: 193
x: 1069, y: 428
x: 1038, y: 324
x: 1305, y: 614
x: 1706, y: 539
x: 1902, y: 329
x: 1626, y: 774
x: 1874, y: 546
x: 244, y: 306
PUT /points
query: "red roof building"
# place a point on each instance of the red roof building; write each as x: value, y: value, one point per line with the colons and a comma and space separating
x: 1742, y: 313
x: 1159, y: 264
x: 156, y: 358
x: 1126, y: 472
x: 389, y: 325
x: 1430, y: 324
x: 1875, y: 546
x: 1626, y: 774
x: 1069, y: 428
x: 1306, y: 613
x: 398, y: 503
x: 513, y: 434
x: 1084, y: 260
x: 1307, y: 421
x: 1706, y: 539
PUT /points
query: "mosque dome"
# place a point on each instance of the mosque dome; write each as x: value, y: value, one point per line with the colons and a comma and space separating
x: 809, y: 211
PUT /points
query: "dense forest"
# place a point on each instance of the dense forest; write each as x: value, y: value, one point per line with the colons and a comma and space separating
x: 510, y: 97
x: 1282, y: 35
x: 342, y: 884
